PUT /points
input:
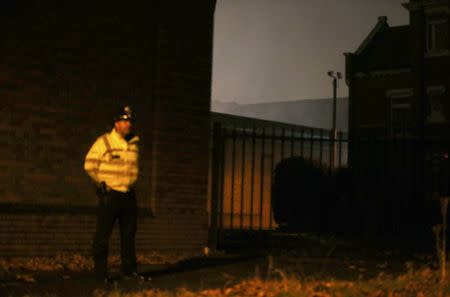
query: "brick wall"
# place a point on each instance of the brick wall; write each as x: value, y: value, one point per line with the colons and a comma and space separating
x: 63, y: 72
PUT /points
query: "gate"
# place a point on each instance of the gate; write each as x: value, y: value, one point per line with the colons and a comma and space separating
x: 244, y: 157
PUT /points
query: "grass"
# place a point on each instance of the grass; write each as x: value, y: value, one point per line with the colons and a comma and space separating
x: 287, y: 275
x: 424, y: 282
x: 77, y: 262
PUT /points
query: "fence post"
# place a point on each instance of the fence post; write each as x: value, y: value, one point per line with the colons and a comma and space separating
x: 217, y: 171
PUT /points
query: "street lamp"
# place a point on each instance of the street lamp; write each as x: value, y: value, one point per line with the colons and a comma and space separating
x: 335, y: 76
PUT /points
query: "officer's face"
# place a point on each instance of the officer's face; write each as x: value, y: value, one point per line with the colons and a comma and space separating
x: 124, y: 128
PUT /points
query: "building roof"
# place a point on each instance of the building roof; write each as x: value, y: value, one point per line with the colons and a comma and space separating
x: 385, y: 48
x: 315, y: 113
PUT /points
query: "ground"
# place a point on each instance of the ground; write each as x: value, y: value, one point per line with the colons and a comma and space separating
x: 326, y: 268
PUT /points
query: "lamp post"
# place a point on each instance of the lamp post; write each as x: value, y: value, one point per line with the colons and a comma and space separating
x: 335, y: 76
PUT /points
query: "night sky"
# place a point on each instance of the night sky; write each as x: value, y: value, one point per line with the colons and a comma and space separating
x: 279, y: 50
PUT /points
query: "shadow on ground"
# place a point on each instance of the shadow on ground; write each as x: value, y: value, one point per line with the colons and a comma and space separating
x: 320, y: 260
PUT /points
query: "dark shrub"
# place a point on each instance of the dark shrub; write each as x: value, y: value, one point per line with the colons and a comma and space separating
x: 305, y: 198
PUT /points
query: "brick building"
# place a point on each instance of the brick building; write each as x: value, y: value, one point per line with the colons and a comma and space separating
x: 63, y: 72
x: 400, y: 112
x: 397, y: 78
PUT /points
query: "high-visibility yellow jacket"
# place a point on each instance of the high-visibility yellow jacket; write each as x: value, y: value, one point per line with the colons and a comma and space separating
x: 113, y: 160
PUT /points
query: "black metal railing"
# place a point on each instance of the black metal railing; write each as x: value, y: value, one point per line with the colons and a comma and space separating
x: 244, y: 159
x: 393, y: 186
x: 399, y: 181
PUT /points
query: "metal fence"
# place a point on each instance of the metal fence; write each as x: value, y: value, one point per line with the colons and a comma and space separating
x: 243, y: 162
x: 395, y: 183
x: 399, y: 182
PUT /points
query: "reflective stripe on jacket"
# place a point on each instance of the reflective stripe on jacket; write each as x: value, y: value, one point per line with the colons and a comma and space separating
x: 114, y: 161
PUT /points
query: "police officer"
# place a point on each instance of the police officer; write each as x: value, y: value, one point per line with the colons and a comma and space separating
x: 112, y: 163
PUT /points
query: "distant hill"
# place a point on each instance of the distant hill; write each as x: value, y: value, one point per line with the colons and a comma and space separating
x: 310, y: 112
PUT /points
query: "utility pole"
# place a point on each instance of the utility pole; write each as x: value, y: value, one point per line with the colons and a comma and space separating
x: 335, y: 76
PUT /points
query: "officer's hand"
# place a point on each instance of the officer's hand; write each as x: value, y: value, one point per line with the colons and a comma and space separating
x: 101, y: 189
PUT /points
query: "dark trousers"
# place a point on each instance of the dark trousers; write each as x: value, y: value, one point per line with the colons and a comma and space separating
x: 114, y: 206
